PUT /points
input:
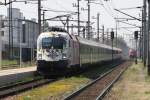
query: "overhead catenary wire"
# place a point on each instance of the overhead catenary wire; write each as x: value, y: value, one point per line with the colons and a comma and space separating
x: 110, y: 8
x: 57, y: 11
x: 108, y: 12
x: 131, y: 8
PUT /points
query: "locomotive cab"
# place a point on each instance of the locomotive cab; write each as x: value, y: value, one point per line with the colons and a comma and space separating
x: 52, y: 51
x: 54, y: 46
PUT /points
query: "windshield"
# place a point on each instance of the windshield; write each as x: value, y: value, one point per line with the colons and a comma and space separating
x: 55, y: 42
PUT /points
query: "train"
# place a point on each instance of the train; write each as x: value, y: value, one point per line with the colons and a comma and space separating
x: 57, y: 50
x: 132, y: 53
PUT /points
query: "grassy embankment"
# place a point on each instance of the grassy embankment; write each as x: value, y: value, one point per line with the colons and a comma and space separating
x: 133, y: 85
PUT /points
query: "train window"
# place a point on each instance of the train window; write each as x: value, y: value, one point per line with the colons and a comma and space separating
x: 86, y: 49
x: 46, y: 42
x: 82, y: 47
x: 55, y: 42
x: 107, y: 51
x: 100, y: 50
x: 58, y: 42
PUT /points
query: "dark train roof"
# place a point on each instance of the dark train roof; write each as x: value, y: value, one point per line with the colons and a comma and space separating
x: 57, y: 29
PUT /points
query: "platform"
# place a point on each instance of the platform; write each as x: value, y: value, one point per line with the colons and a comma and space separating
x: 13, y: 75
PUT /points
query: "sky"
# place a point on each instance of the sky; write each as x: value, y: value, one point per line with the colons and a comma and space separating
x: 107, y: 12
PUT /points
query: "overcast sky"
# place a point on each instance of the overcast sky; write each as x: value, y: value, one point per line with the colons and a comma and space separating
x: 106, y: 11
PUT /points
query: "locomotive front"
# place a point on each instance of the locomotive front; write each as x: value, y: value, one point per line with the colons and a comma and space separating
x: 52, y: 51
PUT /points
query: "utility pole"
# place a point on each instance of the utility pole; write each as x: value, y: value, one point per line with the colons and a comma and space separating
x: 71, y: 28
x: 78, y: 18
x: 140, y: 43
x: 136, y: 40
x: 89, y: 34
x: 9, y: 13
x: 20, y: 47
x: 142, y: 36
x: 103, y: 30
x: 67, y: 22
x: 107, y: 33
x: 98, y: 26
x: 10, y: 31
x: 43, y: 20
x: 145, y: 33
x: 148, y: 53
x: 0, y: 45
x: 116, y: 31
x: 39, y: 15
x: 5, y: 2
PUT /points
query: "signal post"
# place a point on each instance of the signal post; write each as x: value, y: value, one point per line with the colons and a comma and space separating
x: 112, y: 38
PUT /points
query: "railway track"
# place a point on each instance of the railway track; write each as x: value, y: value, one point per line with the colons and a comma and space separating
x: 97, y: 89
x: 14, y: 89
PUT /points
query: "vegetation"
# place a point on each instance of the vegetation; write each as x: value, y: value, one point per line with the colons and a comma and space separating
x: 133, y: 85
x: 55, y: 90
x: 11, y: 64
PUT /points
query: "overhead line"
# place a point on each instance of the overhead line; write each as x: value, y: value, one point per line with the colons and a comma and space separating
x: 139, y: 7
x: 69, y: 20
x: 58, y: 11
x: 128, y: 24
x: 54, y: 10
x: 110, y: 9
x: 128, y: 15
x: 61, y: 16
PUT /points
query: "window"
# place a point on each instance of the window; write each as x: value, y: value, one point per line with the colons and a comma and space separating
x: 56, y: 42
x: 3, y: 24
x: 2, y: 33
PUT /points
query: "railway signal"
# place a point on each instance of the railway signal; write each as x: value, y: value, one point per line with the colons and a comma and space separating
x: 136, y: 39
x: 112, y: 35
x: 136, y: 35
x: 112, y: 38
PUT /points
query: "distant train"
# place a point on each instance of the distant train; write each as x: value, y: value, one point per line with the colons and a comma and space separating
x: 132, y: 53
x: 58, y: 50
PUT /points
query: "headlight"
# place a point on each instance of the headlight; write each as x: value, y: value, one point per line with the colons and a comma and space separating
x: 39, y: 56
x: 64, y: 56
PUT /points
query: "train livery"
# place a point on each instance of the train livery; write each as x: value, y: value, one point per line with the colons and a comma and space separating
x: 59, y: 50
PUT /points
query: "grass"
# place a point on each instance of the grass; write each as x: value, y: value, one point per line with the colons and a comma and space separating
x: 55, y: 90
x: 133, y: 85
x: 12, y: 64
x: 9, y: 62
